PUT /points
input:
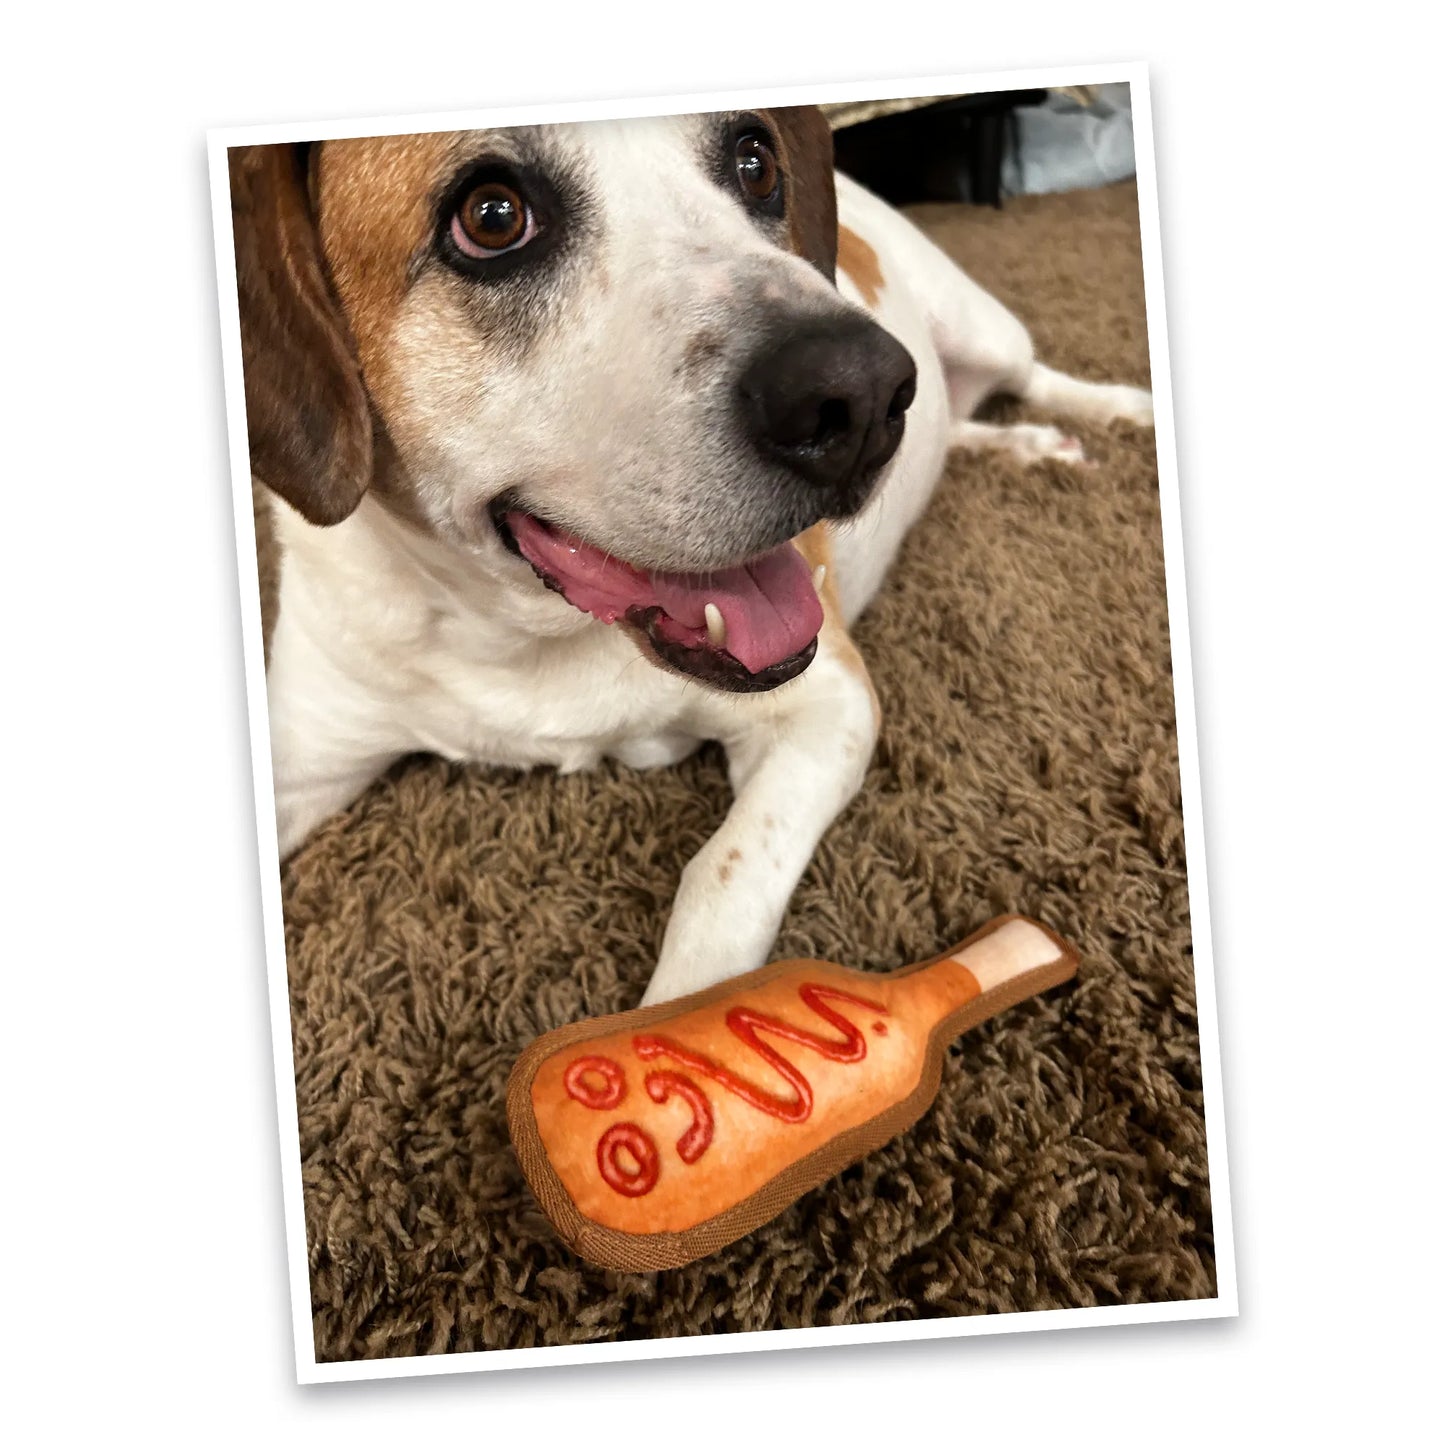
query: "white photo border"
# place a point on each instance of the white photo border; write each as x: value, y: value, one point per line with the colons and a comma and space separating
x: 308, y: 1369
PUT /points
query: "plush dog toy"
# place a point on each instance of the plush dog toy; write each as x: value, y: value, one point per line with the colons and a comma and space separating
x: 654, y: 1137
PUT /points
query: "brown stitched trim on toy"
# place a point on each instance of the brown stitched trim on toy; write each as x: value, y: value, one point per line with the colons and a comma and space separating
x: 617, y: 1249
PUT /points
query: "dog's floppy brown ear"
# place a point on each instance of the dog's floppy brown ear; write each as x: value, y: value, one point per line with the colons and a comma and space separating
x: 807, y: 142
x: 306, y: 404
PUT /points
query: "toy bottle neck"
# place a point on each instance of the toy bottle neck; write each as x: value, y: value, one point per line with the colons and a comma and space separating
x: 1009, y: 962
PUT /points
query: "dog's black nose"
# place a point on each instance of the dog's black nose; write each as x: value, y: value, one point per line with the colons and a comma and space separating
x: 829, y: 404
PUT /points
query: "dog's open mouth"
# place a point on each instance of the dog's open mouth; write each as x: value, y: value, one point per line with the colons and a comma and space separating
x: 744, y: 629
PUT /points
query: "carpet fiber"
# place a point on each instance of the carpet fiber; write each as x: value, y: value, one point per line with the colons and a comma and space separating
x: 1028, y: 762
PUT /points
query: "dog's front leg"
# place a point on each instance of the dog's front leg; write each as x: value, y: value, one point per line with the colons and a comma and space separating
x: 792, y: 774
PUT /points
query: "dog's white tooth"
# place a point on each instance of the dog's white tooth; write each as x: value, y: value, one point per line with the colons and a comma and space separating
x: 717, y: 628
x: 819, y: 572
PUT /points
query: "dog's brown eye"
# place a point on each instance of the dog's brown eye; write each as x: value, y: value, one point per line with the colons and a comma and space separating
x: 757, y: 167
x: 491, y: 219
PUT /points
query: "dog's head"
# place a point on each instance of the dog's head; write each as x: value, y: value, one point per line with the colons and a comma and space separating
x: 610, y: 355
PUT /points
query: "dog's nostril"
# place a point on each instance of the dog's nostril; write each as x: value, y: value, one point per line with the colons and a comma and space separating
x: 834, y: 420
x: 902, y: 399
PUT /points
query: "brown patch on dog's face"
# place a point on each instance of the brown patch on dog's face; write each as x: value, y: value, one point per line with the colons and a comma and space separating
x: 436, y: 342
x: 807, y: 156
x: 376, y: 218
x: 859, y: 261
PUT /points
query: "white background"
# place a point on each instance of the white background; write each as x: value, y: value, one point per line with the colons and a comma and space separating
x: 145, y: 1284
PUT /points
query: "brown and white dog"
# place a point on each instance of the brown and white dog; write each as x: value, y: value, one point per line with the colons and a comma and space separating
x: 583, y: 454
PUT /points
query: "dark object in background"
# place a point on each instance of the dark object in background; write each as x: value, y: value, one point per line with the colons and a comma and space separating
x: 949, y: 151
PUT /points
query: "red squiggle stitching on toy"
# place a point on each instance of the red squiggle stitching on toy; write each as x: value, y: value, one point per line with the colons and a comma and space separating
x: 662, y: 1084
x: 747, y: 1024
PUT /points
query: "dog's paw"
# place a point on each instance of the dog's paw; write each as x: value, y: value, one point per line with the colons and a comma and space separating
x: 1028, y: 442
x: 1133, y: 405
x: 1039, y: 443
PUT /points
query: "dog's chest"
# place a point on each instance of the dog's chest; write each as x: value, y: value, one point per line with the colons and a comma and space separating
x: 566, y: 702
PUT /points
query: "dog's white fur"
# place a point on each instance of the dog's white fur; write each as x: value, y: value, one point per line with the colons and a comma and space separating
x: 393, y: 639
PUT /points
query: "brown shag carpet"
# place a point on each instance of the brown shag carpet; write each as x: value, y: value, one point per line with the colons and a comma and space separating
x: 1028, y: 762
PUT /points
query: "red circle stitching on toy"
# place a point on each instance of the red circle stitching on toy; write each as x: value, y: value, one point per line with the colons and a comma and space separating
x: 662, y: 1084
x: 609, y: 1096
x: 629, y: 1139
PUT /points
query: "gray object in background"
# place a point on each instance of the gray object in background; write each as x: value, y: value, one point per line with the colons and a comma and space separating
x: 1064, y: 145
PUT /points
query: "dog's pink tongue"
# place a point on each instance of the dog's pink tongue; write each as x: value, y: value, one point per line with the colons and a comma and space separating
x: 769, y: 604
